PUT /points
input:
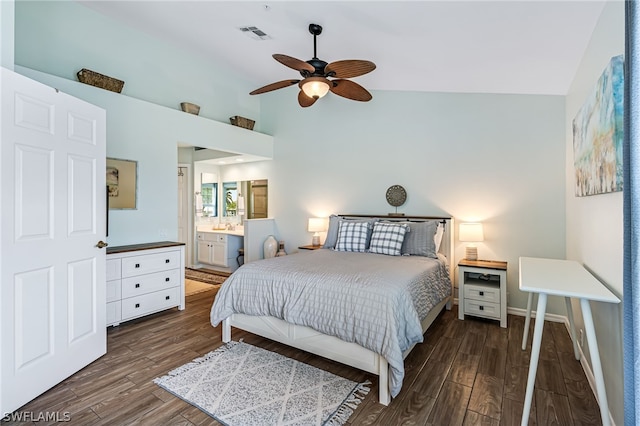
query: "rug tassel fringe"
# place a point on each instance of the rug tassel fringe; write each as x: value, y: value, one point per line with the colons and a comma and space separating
x: 345, y: 410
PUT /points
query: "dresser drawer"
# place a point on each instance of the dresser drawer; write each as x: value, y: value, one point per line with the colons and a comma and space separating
x: 143, y: 284
x: 114, y: 290
x: 114, y: 312
x: 113, y: 269
x: 482, y: 293
x: 148, y: 303
x: 482, y: 309
x: 148, y: 263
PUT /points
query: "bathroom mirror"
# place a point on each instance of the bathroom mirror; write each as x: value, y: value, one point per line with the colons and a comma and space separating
x: 248, y: 199
x: 209, y: 193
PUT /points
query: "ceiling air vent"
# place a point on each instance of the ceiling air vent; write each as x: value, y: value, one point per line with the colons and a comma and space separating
x: 255, y: 33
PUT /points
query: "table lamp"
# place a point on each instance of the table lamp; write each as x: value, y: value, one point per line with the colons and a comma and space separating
x: 316, y: 225
x: 471, y: 233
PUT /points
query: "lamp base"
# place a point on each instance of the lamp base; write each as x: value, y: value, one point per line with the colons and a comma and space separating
x: 315, y: 241
x: 471, y: 253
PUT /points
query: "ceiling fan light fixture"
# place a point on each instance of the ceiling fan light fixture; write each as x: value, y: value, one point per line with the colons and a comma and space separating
x: 315, y: 87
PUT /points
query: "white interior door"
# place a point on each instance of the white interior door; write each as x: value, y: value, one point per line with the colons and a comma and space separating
x: 52, y: 214
x: 185, y: 233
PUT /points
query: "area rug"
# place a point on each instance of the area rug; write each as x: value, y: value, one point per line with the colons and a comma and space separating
x: 205, y: 276
x: 240, y: 385
x: 192, y: 287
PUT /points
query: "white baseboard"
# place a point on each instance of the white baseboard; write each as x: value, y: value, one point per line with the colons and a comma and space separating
x: 547, y: 315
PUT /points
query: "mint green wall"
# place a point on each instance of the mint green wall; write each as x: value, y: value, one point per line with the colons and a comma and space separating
x: 56, y: 39
x: 594, y: 224
x: 7, y: 18
x: 495, y: 158
x: 62, y: 37
x: 149, y: 134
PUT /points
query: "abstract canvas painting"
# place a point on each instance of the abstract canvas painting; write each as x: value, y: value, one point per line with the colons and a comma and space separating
x: 598, y: 133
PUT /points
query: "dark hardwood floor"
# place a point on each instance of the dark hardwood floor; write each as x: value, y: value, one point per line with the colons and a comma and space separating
x: 468, y: 372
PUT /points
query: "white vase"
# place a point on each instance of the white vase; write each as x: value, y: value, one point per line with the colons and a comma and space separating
x: 270, y: 247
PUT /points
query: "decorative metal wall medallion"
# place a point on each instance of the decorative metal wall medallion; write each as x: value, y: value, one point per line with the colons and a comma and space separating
x: 396, y: 195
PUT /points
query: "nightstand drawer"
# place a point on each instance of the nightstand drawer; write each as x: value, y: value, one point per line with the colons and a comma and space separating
x: 482, y: 309
x: 482, y: 293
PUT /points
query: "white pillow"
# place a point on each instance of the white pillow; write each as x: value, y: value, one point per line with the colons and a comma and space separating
x: 437, y: 238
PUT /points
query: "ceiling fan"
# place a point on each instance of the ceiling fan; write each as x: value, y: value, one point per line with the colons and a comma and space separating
x: 316, y: 74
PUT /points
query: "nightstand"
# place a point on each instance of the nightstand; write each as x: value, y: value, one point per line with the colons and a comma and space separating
x: 310, y: 247
x: 482, y: 289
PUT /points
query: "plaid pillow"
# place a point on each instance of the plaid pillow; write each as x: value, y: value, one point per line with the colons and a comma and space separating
x: 352, y: 236
x: 387, y: 238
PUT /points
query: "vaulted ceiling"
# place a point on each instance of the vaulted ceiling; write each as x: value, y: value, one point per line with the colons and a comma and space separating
x: 476, y: 46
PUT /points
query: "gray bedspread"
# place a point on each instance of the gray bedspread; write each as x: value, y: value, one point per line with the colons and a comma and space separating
x: 374, y: 300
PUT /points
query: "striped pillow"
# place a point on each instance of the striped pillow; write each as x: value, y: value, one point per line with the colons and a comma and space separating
x: 387, y: 238
x: 352, y: 236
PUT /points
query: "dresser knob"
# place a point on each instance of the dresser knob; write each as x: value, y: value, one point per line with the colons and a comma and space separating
x: 137, y: 285
x: 482, y: 293
x: 167, y: 279
x: 482, y: 308
x: 137, y: 265
x: 137, y: 305
x: 167, y: 298
x: 166, y: 261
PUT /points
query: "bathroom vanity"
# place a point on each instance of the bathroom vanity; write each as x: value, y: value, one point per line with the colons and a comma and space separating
x: 220, y: 247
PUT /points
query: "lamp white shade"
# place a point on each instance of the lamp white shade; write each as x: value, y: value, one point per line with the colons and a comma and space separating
x: 317, y: 224
x: 471, y: 232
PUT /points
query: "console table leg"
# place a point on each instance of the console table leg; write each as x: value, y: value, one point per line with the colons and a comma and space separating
x: 535, y: 354
x: 595, y: 361
x: 527, y: 321
x: 572, y: 328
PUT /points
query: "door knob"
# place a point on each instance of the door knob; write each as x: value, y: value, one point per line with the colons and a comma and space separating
x: 101, y: 244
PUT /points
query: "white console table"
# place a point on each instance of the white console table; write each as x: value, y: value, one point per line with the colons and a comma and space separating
x: 565, y: 278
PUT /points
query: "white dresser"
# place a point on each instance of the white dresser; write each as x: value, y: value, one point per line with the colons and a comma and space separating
x: 143, y: 279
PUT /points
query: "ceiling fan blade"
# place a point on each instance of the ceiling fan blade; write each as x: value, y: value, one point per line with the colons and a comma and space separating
x: 304, y: 100
x: 349, y: 68
x: 294, y: 63
x: 274, y: 86
x: 350, y: 90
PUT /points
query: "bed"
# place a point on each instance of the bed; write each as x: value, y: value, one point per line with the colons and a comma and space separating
x: 366, y: 307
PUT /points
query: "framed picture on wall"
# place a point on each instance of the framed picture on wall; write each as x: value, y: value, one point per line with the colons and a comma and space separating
x: 122, y: 183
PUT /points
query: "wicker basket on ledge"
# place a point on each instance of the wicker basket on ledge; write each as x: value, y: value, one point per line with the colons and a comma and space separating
x: 100, y: 80
x: 239, y: 121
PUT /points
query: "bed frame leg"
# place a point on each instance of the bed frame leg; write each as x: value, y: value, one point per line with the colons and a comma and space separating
x: 384, y: 397
x: 226, y: 330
